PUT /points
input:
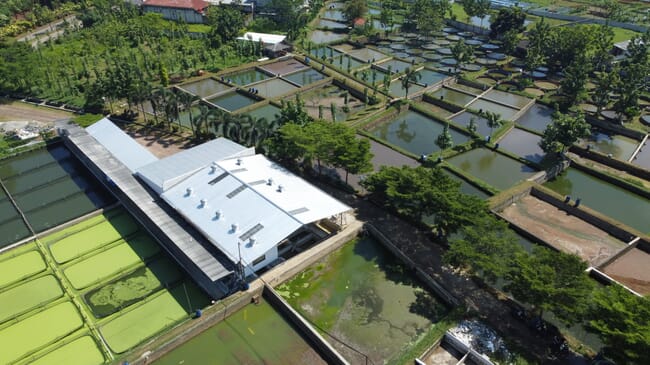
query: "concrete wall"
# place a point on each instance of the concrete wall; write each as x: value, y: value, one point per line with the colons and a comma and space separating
x: 317, y: 341
x: 431, y: 283
x: 186, y: 15
x: 611, y: 162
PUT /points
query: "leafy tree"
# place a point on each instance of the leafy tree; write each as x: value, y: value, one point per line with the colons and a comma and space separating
x: 294, y: 112
x: 493, y: 120
x: 444, y: 139
x: 634, y: 76
x: 567, y: 44
x: 418, y: 192
x: 352, y: 154
x: 486, y: 247
x: 472, y: 127
x: 622, y: 321
x: 551, y: 280
x: 463, y: 53
x: 478, y: 8
x: 606, y: 83
x: 411, y: 76
x: 574, y: 84
x: 508, y: 18
x: 354, y: 9
x: 386, y: 18
x: 510, y: 40
x: 427, y: 15
x: 225, y: 23
x: 603, y: 43
x: 563, y: 132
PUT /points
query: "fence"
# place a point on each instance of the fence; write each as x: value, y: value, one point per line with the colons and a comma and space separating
x: 583, y: 20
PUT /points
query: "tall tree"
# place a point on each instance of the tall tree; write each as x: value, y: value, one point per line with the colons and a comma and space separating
x: 622, y: 321
x: 508, y: 18
x: 574, y: 84
x: 444, y: 139
x: 463, y: 53
x: 410, y: 76
x: 225, y: 23
x: 354, y: 9
x: 606, y: 83
x: 486, y: 247
x: 563, y: 132
x: 492, y: 119
x: 554, y: 281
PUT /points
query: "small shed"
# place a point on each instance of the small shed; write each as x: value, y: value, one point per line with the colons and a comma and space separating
x: 275, y: 45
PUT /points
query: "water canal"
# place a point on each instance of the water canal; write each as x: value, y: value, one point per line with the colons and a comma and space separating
x: 363, y: 295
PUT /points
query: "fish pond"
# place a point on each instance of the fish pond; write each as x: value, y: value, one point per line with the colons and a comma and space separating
x: 492, y: 167
x: 609, y: 199
x: 537, y: 117
x: 256, y: 334
x: 416, y: 133
x: 362, y: 294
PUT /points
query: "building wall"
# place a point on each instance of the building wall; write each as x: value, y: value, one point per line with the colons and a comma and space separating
x: 186, y: 15
x: 270, y: 256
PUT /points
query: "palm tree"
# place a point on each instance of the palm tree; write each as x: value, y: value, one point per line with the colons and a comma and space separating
x: 444, y: 139
x: 410, y: 76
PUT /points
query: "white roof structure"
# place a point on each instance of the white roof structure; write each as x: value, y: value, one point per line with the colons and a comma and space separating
x: 265, y: 37
x: 233, y: 205
x: 167, y: 172
x: 124, y: 148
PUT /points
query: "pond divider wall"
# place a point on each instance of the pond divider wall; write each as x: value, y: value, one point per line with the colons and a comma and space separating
x: 608, y: 280
x: 431, y: 283
x: 618, y: 129
x: 616, y: 229
x: 321, y: 345
x: 468, y: 27
x: 470, y: 354
x: 611, y: 162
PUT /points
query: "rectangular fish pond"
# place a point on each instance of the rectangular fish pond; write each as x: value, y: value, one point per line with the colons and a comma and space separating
x: 271, y: 89
x: 609, y: 199
x: 537, y: 117
x: 492, y: 167
x: 246, y: 77
x: 306, y: 77
x: 362, y: 294
x: 325, y: 96
x: 256, y: 334
x: 204, y: 88
x: 49, y: 186
x: 506, y: 113
x: 232, y: 101
x: 523, y: 144
x: 452, y: 96
x: 415, y: 132
x: 268, y: 111
x: 513, y: 100
x: 620, y: 147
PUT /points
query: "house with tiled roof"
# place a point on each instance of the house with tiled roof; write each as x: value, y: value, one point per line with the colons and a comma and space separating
x: 188, y: 11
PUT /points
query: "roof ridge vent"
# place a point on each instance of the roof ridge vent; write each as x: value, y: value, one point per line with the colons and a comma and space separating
x: 213, y: 168
x: 218, y: 214
x: 188, y: 191
x: 239, y: 161
x: 234, y: 227
x: 269, y: 182
x: 252, y: 241
x: 280, y: 188
x: 204, y: 203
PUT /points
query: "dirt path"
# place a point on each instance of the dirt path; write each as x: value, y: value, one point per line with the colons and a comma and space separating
x: 160, y: 143
x: 428, y: 255
x: 18, y: 111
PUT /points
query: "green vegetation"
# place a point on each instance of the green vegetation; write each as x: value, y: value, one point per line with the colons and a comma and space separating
x: 86, y: 120
x: 81, y: 351
x: 564, y: 132
x: 19, y: 267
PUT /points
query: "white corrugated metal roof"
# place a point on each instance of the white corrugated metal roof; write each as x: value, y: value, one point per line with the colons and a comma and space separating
x: 238, y: 205
x: 239, y: 190
x: 265, y: 37
x: 165, y: 173
x: 303, y: 201
x: 121, y: 145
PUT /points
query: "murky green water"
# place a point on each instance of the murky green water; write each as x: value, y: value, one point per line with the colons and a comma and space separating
x: 606, y: 198
x: 505, y: 112
x: 326, y: 23
x: 320, y: 36
x: 305, y: 77
x: 492, y: 167
x: 326, y: 52
x: 452, y: 96
x: 256, y: 334
x: 367, y: 54
x: 50, y: 187
x: 247, y: 77
x: 507, y: 98
x: 524, y: 144
x: 274, y: 88
x: 537, y: 117
x: 205, y: 87
x: 464, y: 118
x: 415, y: 133
x: 428, y: 77
x: 396, y: 66
x: 619, y: 147
x: 232, y: 101
x: 268, y: 111
x: 361, y: 294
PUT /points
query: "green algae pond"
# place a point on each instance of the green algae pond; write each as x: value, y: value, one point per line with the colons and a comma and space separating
x: 256, y: 334
x: 362, y: 294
